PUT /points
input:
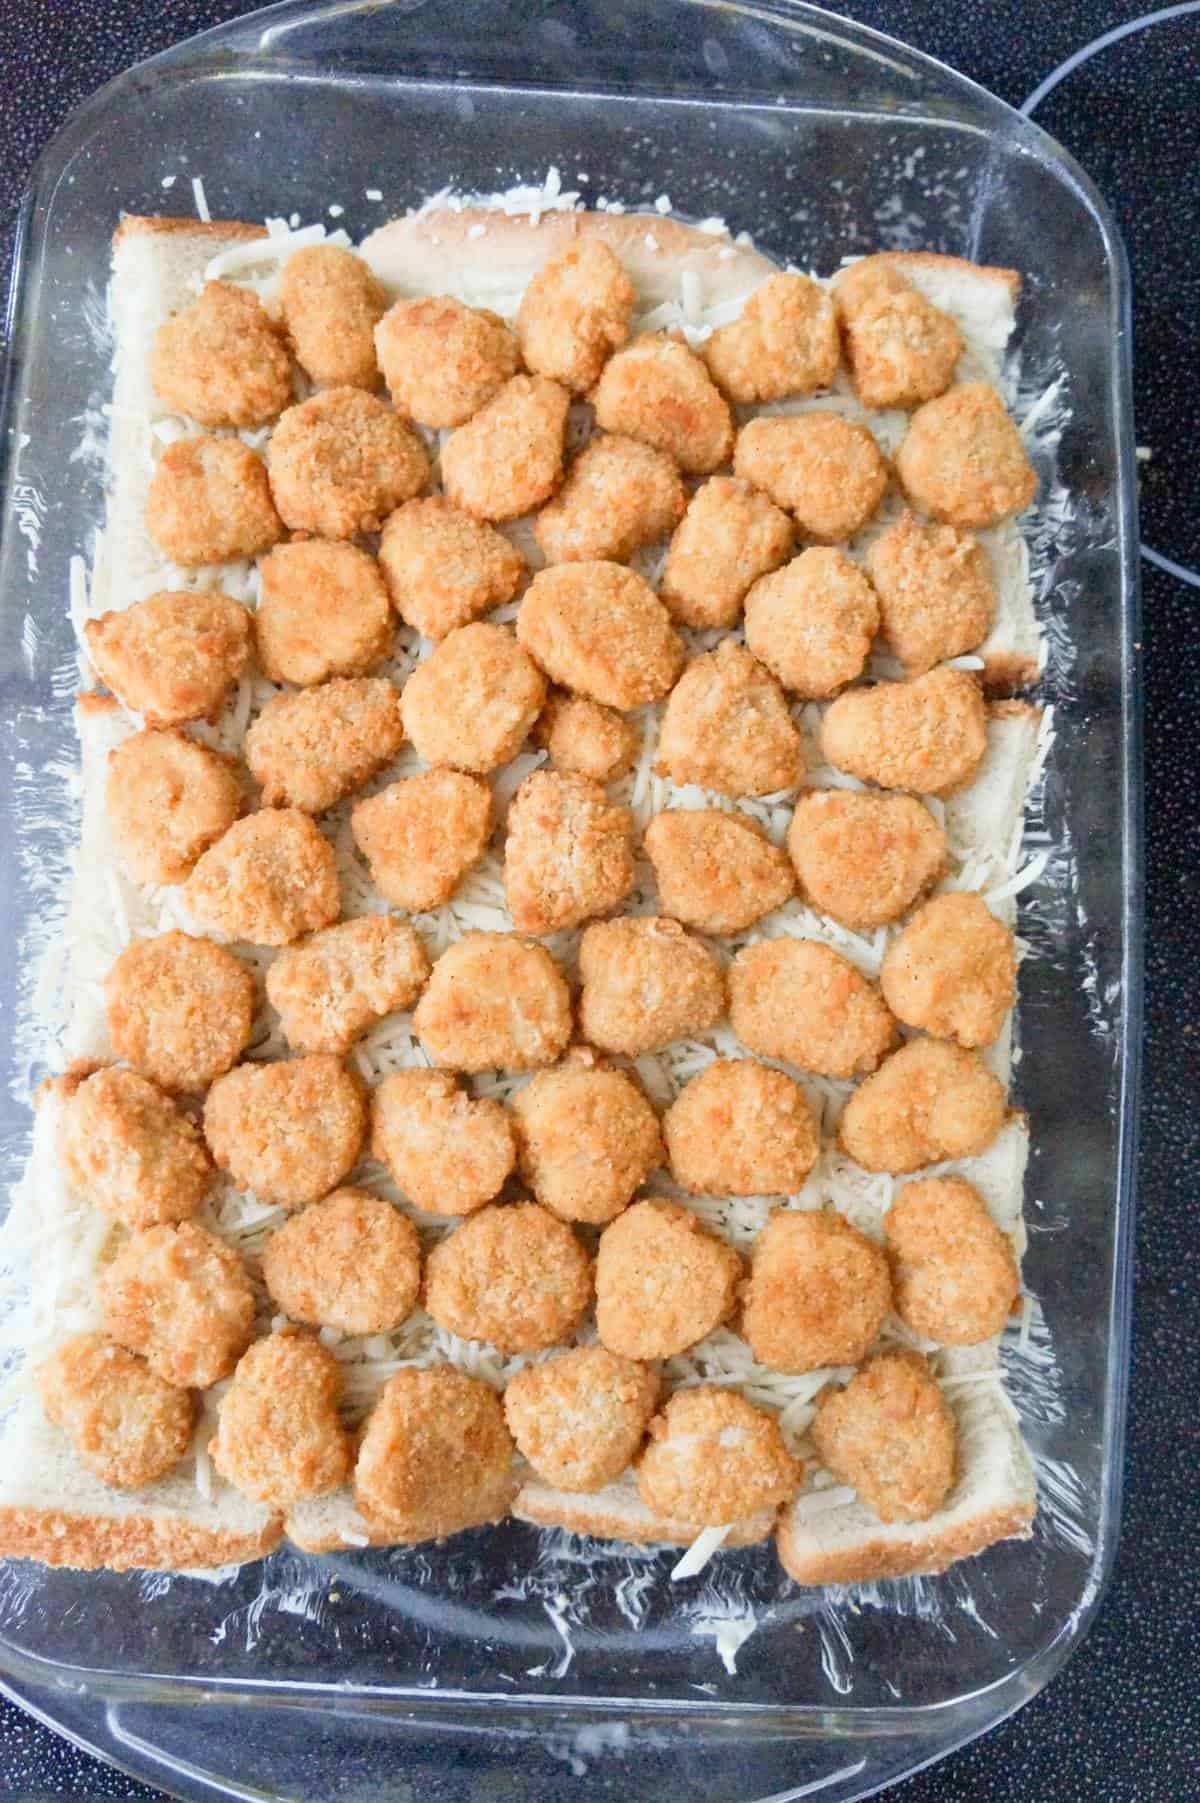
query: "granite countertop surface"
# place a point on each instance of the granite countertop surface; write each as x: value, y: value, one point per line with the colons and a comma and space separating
x: 1122, y: 1721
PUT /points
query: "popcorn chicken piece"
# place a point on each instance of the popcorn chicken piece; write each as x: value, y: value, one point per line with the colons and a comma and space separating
x: 587, y: 1138
x: 714, y: 1458
x: 472, y: 701
x: 936, y: 596
x: 270, y: 879
x: 130, y: 1150
x: 662, y: 1282
x: 741, y: 1129
x: 729, y: 537
x: 168, y: 799
x: 727, y: 727
x: 351, y: 1262
x: 812, y: 623
x: 442, y: 360
x: 953, y: 1271
x: 508, y: 458
x: 341, y: 461
x: 309, y: 750
x: 575, y: 313
x: 785, y: 342
x: 585, y: 739
x: 279, y: 1438
x: 600, y: 629
x: 435, y: 1456
x: 209, y: 500
x: 323, y: 612
x: 928, y: 735
x: 494, y: 1002
x: 927, y: 1102
x: 449, y: 1152
x: 443, y: 568
x: 124, y: 1423
x: 901, y: 349
x: 182, y: 1299
x: 421, y: 835
x: 803, y: 1002
x: 890, y: 1435
x: 289, y: 1130
x: 180, y: 1010
x: 715, y: 871
x: 953, y: 970
x: 172, y: 657
x: 818, y: 1294
x: 863, y: 859
x: 568, y: 855
x: 963, y: 461
x: 645, y: 983
x: 330, y: 304
x: 827, y: 471
x: 344, y: 980
x: 580, y: 1418
x: 221, y: 361
x: 515, y: 1277
x: 619, y: 495
x: 658, y: 390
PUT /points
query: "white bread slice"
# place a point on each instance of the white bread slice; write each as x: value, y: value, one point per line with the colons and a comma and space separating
x: 618, y: 1513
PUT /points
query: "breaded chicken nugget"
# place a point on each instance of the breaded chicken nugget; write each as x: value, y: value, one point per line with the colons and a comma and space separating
x: 928, y: 1101
x: 936, y: 596
x: 323, y: 612
x: 351, y: 1262
x: 181, y: 1298
x: 472, y: 701
x: 586, y: 1137
x: 928, y: 734
x: 890, y: 1435
x: 727, y: 727
x: 784, y: 342
x: 953, y: 1271
x: 420, y: 836
x: 209, y: 500
x: 741, y: 1129
x: 716, y: 872
x: 309, y: 750
x: 568, y: 854
x: 126, y: 1148
x: 645, y: 983
x: 803, y: 1002
x: 341, y: 461
x: 600, y: 630
x: 172, y: 657
x: 278, y: 1435
x: 289, y: 1130
x: 125, y: 1424
x: 345, y: 979
x: 270, y: 879
x: 168, y: 799
x: 435, y: 1456
x: 575, y: 313
x: 443, y: 569
x: 713, y: 1457
x: 619, y: 494
x: 580, y: 1418
x: 953, y: 970
x: 221, y: 361
x: 516, y: 1277
x: 585, y: 739
x: 508, y: 459
x: 729, y: 537
x: 900, y: 347
x: 494, y: 1002
x: 662, y: 1282
x: 963, y: 461
x: 818, y: 1294
x: 442, y: 360
x: 812, y: 622
x: 330, y: 304
x: 449, y: 1152
x: 659, y: 391
x: 827, y: 471
x: 181, y: 1010
x: 864, y: 859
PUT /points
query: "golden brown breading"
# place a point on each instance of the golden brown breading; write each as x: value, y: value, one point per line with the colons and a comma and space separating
x: 801, y: 1001
x: 729, y: 537
x: 209, y: 500
x: 715, y: 871
x: 568, y: 855
x: 330, y: 304
x: 727, y: 727
x: 351, y: 1262
x: 662, y: 1282
x: 585, y: 739
x: 586, y: 1138
x: 323, y: 612
x: 928, y: 735
x: 435, y: 1456
x: 443, y: 568
x: 600, y: 629
x: 168, y: 799
x: 421, y: 835
x: 345, y: 979
x: 963, y: 461
x: 128, y: 1149
x: 953, y: 970
x: 515, y: 1277
x: 309, y: 750
x: 713, y: 1458
x: 827, y: 471
x: 953, y: 1271
x: 936, y: 596
x: 442, y: 360
x: 645, y: 983
x: 619, y: 494
x: 472, y: 701
x: 127, y: 1425
x: 575, y: 313
x: 741, y: 1129
x: 658, y: 390
x: 180, y: 1009
x: 785, y: 341
x: 580, y: 1418
x: 508, y: 459
x: 449, y: 1152
x: 289, y: 1130
x: 901, y: 349
x: 181, y: 1298
x: 818, y: 1294
x: 928, y: 1101
x: 278, y: 1435
x: 494, y: 1002
x: 812, y: 623
x: 341, y: 461
x: 270, y: 879
x: 221, y: 361
x: 863, y: 859
x: 172, y: 657
x: 890, y: 1435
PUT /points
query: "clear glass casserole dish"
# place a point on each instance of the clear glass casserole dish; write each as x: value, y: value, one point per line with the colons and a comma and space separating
x: 309, y: 1677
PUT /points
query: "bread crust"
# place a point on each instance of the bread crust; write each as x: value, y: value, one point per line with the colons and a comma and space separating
x: 916, y: 1555
x: 142, y: 225
x: 936, y: 261
x: 604, y: 1517
x: 131, y: 1542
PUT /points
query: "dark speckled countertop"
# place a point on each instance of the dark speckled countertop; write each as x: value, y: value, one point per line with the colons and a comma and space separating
x: 1122, y: 1721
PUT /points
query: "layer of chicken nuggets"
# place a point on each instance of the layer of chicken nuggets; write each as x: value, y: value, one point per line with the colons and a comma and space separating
x: 351, y: 1262
x: 953, y: 970
x: 812, y: 623
x: 713, y: 1457
x: 172, y: 657
x: 568, y: 854
x: 323, y: 612
x: 341, y: 461
x: 309, y: 750
x: 494, y: 1002
x: 935, y: 589
x: 209, y: 500
x: 741, y: 1129
x: 827, y: 471
x: 645, y: 983
x: 221, y: 361
x: 442, y: 360
x: 125, y: 1423
x: 449, y: 1152
x: 290, y: 1130
x: 583, y: 738
x: 471, y: 702
x: 954, y: 1273
x: 168, y: 798
x: 784, y: 342
x: 901, y: 349
x: 269, y: 879
x: 662, y: 1282
x: 963, y: 461
x: 928, y: 735
x: 443, y: 568
x: 343, y: 980
x: 180, y: 1009
x: 715, y: 871
x: 330, y: 304
x: 508, y: 458
x: 658, y: 390
x: 128, y: 1149
x: 727, y: 727
x: 863, y: 859
x: 929, y: 1101
x: 819, y: 1291
x: 580, y: 1418
x: 803, y: 1002
x: 600, y: 629
x: 890, y: 1435
x: 587, y: 1138
x: 435, y: 1456
x: 515, y: 1276
x: 421, y: 835
x: 182, y: 1299
x: 730, y: 535
x: 574, y: 313
x: 619, y: 495
x: 279, y: 1438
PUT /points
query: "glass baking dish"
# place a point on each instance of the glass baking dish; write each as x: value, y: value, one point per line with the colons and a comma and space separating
x: 500, y: 1656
